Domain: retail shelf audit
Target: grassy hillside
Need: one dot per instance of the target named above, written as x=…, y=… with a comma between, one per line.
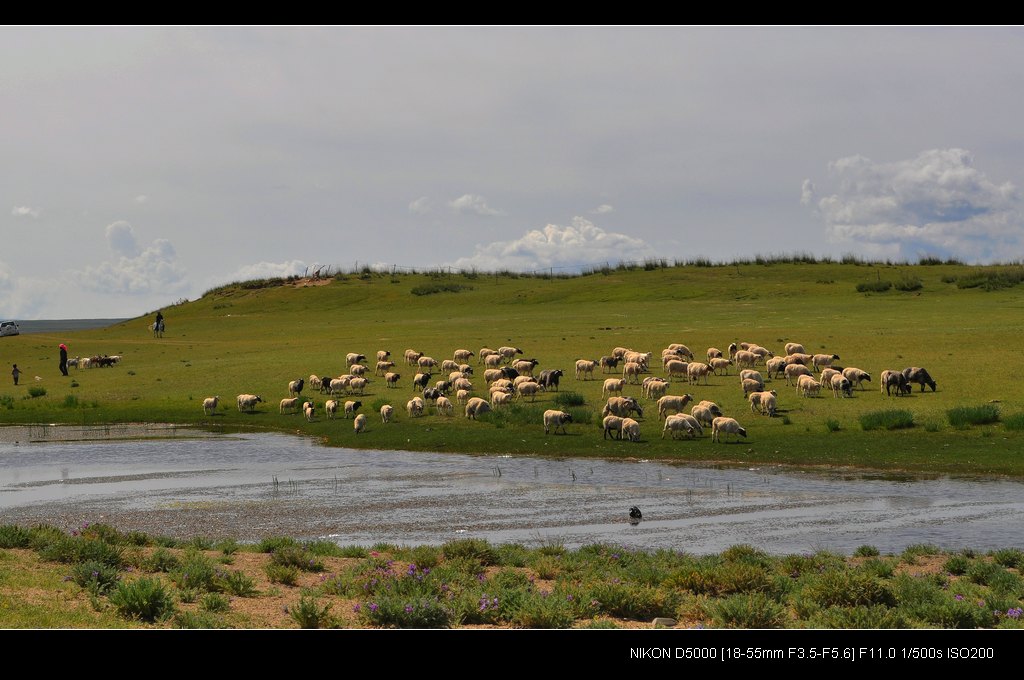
x=255, y=339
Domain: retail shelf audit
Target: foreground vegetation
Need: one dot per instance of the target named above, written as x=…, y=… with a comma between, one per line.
x=959, y=322
x=100, y=577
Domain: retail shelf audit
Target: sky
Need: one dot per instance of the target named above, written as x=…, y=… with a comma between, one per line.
x=140, y=166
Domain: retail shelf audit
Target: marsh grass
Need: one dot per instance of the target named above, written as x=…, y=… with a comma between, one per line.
x=308, y=613
x=963, y=417
x=146, y=599
x=892, y=419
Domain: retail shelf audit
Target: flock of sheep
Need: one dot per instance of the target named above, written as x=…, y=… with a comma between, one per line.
x=511, y=378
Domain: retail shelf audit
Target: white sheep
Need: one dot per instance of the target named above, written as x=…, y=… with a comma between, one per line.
x=682, y=350
x=654, y=388
x=774, y=366
x=383, y=355
x=750, y=386
x=751, y=374
x=357, y=385
x=826, y=375
x=295, y=387
x=484, y=353
x=499, y=398
x=289, y=405
x=338, y=385
x=632, y=370
x=493, y=360
x=621, y=406
x=704, y=413
x=315, y=382
x=425, y=363
x=463, y=384
x=714, y=353
x=761, y=353
x=444, y=406
x=631, y=429
x=765, y=402
x=794, y=348
x=357, y=369
x=840, y=385
x=525, y=366
x=585, y=367
x=210, y=405
x=556, y=419
x=508, y=353
x=353, y=358
x=412, y=356
x=696, y=371
x=795, y=371
x=351, y=407
x=462, y=396
x=745, y=358
x=476, y=406
x=726, y=425
x=529, y=389
x=383, y=367
x=620, y=352
x=492, y=374
x=680, y=423
x=720, y=364
x=247, y=402
x=414, y=407
x=462, y=355
x=386, y=411
x=331, y=408
x=359, y=424
x=807, y=386
x=798, y=358
x=672, y=402
x=856, y=376
x=612, y=385
x=391, y=379
x=820, y=361
x=309, y=411
x=612, y=424
x=448, y=366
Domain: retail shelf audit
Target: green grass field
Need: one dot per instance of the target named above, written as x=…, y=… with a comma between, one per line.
x=240, y=339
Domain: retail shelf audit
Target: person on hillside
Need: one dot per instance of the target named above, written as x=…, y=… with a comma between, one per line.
x=158, y=326
x=63, y=359
x=16, y=373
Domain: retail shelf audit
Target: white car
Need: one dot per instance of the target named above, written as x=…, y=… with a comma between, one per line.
x=9, y=328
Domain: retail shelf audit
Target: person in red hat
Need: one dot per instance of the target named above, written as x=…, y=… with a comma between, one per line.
x=63, y=359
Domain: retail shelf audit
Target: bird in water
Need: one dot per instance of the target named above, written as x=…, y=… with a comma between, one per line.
x=635, y=515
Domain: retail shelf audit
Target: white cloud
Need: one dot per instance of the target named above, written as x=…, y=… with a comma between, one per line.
x=603, y=209
x=576, y=245
x=153, y=269
x=937, y=203
x=807, y=192
x=25, y=211
x=121, y=239
x=141, y=198
x=268, y=270
x=421, y=206
x=473, y=203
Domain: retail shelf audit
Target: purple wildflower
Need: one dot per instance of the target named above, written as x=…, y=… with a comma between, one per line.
x=356, y=607
x=958, y=598
x=1014, y=612
x=408, y=609
x=373, y=607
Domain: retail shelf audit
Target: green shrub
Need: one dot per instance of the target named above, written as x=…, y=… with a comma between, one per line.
x=71, y=550
x=308, y=613
x=199, y=620
x=13, y=536
x=627, y=601
x=296, y=556
x=863, y=617
x=892, y=419
x=1014, y=422
x=866, y=551
x=216, y=603
x=908, y=283
x=982, y=572
x=96, y=577
x=7, y=401
x=1012, y=558
x=877, y=286
x=196, y=571
x=878, y=568
x=543, y=610
x=423, y=556
x=395, y=611
x=847, y=588
x=472, y=548
x=238, y=584
x=957, y=564
x=145, y=598
x=751, y=610
x=832, y=425
x=962, y=417
x=285, y=575
x=353, y=551
x=162, y=560
x=269, y=545
x=513, y=555
x=565, y=400
x=915, y=550
x=228, y=547
x=36, y=391
x=329, y=549
x=433, y=288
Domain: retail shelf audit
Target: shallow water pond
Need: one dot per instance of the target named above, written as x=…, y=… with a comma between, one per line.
x=251, y=486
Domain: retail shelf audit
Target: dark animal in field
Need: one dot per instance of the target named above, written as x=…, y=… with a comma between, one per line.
x=894, y=380
x=421, y=381
x=608, y=364
x=634, y=513
x=549, y=378
x=915, y=374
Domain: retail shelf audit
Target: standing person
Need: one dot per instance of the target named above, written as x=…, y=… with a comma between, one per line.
x=158, y=327
x=16, y=373
x=63, y=359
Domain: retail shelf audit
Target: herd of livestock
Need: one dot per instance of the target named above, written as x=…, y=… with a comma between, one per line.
x=508, y=377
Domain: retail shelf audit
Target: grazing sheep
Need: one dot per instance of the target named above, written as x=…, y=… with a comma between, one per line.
x=447, y=366
x=444, y=406
x=609, y=364
x=463, y=385
x=763, y=401
x=697, y=371
x=761, y=353
x=631, y=429
x=856, y=376
x=492, y=374
x=492, y=360
x=499, y=398
x=839, y=384
x=295, y=387
x=412, y=356
x=357, y=385
x=750, y=386
x=338, y=385
x=745, y=358
x=309, y=411
x=612, y=424
x=620, y=352
x=391, y=379
x=289, y=405
x=714, y=353
x=383, y=367
x=383, y=355
x=819, y=361
x=794, y=371
x=632, y=370
x=386, y=411
x=331, y=408
x=466, y=369
x=431, y=393
x=351, y=407
x=359, y=424
x=681, y=350
x=247, y=402
x=807, y=386
x=612, y=385
x=794, y=348
x=462, y=355
x=673, y=403
x=585, y=367
x=894, y=379
x=528, y=389
x=525, y=366
x=421, y=381
x=357, y=369
x=315, y=382
x=679, y=369
x=654, y=388
x=210, y=405
x=426, y=362
x=414, y=407
x=705, y=413
x=621, y=406
x=353, y=358
x=443, y=387
x=915, y=374
x=556, y=419
x=720, y=364
x=642, y=358
x=726, y=425
x=484, y=353
x=826, y=375
x=774, y=366
x=549, y=378
x=477, y=406
x=798, y=358
x=462, y=396
x=508, y=353
x=732, y=350
x=749, y=373
x=681, y=423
